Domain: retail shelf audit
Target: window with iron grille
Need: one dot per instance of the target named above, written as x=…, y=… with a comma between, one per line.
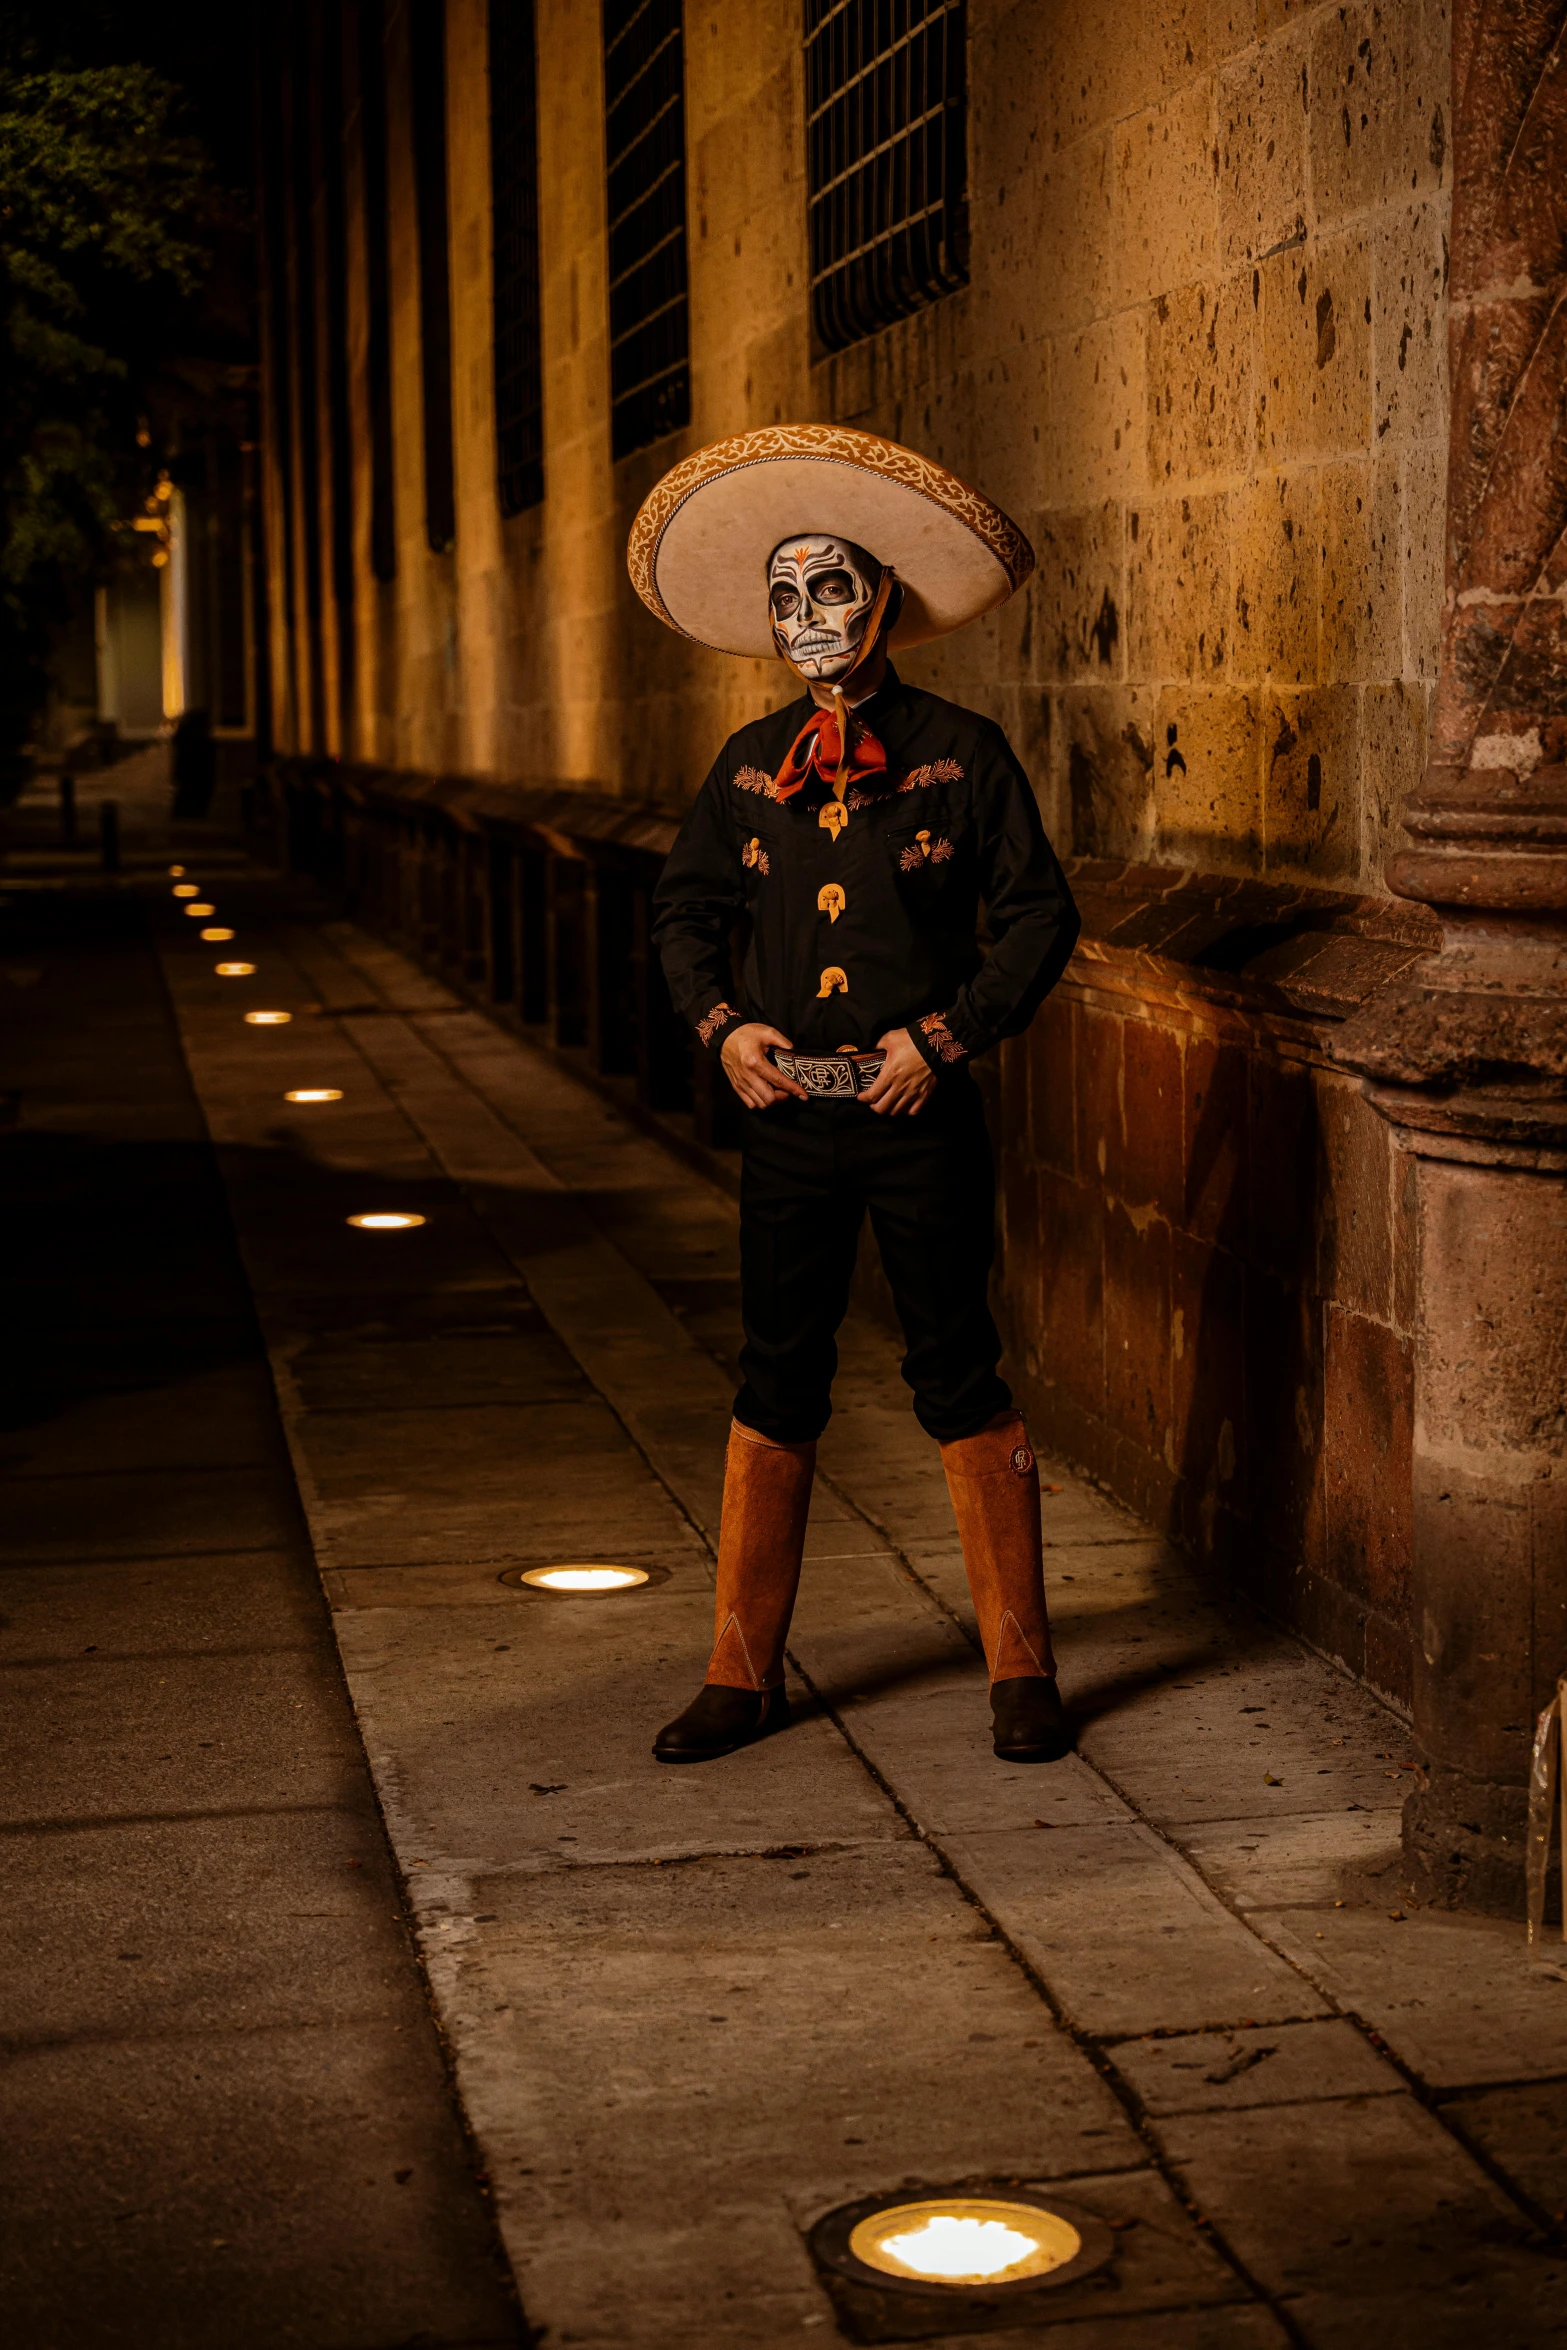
x=886, y=160
x=427, y=45
x=514, y=199
x=303, y=90
x=339, y=421
x=645, y=140
x=378, y=286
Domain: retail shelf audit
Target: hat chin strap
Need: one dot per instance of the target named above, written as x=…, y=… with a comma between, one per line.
x=840, y=707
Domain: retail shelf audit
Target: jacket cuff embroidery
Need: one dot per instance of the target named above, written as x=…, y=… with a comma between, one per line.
x=721, y=1016
x=940, y=1039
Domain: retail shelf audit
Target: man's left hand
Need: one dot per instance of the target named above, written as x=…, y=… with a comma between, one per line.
x=906, y=1078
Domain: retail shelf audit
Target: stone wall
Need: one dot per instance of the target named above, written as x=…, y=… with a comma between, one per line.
x=1202, y=360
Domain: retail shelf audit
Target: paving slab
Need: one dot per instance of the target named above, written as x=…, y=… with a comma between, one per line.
x=470, y=1480
x=225, y=1419
x=243, y=2188
x=1524, y=2132
x=147, y=1607
x=147, y=1513
x=1455, y=1998
x=1371, y=2224
x=770, y=2037
x=1126, y=1934
x=1273, y=2064
x=130, y=1930
x=1295, y=1858
x=107, y=1735
x=530, y=1741
x=1236, y=2327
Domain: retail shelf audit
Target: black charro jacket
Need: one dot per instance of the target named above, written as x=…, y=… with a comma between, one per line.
x=954, y=824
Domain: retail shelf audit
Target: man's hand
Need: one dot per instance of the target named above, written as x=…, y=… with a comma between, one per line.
x=753, y=1076
x=906, y=1077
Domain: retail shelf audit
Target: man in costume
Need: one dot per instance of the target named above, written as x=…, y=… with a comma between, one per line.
x=860, y=828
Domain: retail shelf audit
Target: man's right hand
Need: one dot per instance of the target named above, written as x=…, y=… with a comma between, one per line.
x=753, y=1076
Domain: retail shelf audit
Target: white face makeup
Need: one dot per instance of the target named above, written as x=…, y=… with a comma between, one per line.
x=820, y=591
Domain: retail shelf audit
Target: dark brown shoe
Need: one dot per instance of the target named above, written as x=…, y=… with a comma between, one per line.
x=1029, y=1722
x=719, y=1720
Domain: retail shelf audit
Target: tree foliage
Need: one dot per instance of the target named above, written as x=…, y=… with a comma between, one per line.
x=104, y=206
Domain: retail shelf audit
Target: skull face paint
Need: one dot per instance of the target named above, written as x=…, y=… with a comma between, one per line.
x=820, y=591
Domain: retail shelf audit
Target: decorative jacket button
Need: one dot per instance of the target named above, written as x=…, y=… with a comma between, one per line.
x=830, y=900
x=834, y=982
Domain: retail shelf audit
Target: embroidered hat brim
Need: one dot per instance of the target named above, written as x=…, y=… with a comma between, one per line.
x=699, y=546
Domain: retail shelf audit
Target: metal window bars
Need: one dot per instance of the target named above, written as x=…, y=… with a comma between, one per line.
x=645, y=152
x=378, y=285
x=886, y=157
x=514, y=196
x=427, y=62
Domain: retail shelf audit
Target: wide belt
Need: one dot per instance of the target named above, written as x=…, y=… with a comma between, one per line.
x=839, y=1076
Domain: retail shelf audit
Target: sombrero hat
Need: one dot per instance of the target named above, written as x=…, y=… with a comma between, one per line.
x=699, y=546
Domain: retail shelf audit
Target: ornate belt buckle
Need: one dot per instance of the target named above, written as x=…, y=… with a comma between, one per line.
x=830, y=1076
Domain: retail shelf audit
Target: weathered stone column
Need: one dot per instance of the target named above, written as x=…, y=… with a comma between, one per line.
x=1468, y=1058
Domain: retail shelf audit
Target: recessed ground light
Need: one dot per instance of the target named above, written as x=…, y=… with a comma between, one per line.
x=200, y=913
x=187, y=889
x=968, y=2240
x=235, y=970
x=314, y=1093
x=212, y=936
x=268, y=1019
x=974, y=2253
x=385, y=1221
x=579, y=1578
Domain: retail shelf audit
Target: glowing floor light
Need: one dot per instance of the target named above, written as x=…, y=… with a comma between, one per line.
x=186, y=889
x=582, y=1578
x=268, y=1019
x=200, y=913
x=314, y=1093
x=965, y=2240
x=176, y=870
x=234, y=970
x=212, y=936
x=385, y=1221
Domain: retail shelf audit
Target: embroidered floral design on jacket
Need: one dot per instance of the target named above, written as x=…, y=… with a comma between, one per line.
x=754, y=856
x=934, y=1025
x=921, y=849
x=711, y=1022
x=935, y=771
x=754, y=779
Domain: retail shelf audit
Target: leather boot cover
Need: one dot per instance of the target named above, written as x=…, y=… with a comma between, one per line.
x=994, y=1483
x=767, y=1494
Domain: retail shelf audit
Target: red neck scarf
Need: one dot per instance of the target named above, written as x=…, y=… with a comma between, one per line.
x=818, y=750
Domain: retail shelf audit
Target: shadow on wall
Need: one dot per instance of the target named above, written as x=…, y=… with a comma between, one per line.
x=1199, y=1279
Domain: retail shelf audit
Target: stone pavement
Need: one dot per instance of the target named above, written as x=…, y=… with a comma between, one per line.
x=690, y=2011
x=225, y=2113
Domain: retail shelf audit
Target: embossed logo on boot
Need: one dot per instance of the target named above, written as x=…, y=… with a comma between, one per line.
x=1022, y=1460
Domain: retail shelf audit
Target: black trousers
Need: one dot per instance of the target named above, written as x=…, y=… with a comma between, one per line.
x=810, y=1172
